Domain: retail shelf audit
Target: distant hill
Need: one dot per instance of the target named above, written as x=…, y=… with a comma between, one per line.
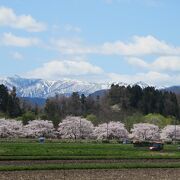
x=34, y=101
x=174, y=89
x=99, y=93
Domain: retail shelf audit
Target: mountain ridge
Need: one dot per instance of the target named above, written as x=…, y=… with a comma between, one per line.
x=39, y=88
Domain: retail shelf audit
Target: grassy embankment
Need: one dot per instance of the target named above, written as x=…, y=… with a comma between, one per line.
x=29, y=150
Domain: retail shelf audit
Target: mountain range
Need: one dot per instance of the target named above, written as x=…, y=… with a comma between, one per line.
x=39, y=88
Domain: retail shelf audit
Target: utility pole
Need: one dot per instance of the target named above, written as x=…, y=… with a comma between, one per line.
x=80, y=128
x=175, y=131
x=107, y=131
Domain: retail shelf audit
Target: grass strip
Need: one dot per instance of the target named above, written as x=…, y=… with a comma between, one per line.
x=88, y=166
x=2, y=158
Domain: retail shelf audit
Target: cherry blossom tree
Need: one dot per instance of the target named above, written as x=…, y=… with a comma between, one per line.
x=75, y=128
x=37, y=128
x=170, y=133
x=11, y=128
x=145, y=132
x=111, y=130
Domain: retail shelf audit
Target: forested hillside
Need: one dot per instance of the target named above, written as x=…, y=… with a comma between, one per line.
x=126, y=104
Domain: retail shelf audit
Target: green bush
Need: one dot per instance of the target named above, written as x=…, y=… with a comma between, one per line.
x=43, y=117
x=159, y=120
x=92, y=118
x=105, y=141
x=2, y=115
x=28, y=116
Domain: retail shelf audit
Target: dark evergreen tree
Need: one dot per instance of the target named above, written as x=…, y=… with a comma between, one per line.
x=83, y=105
x=74, y=105
x=51, y=110
x=13, y=107
x=3, y=98
x=135, y=96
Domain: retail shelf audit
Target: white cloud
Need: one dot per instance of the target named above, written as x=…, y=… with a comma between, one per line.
x=26, y=22
x=71, y=46
x=57, y=69
x=8, y=39
x=17, y=56
x=66, y=28
x=162, y=63
x=83, y=70
x=139, y=46
x=69, y=27
x=137, y=62
x=167, y=63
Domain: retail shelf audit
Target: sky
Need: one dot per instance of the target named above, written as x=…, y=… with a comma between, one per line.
x=91, y=40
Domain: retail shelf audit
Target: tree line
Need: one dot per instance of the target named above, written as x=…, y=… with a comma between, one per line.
x=147, y=100
x=119, y=103
x=75, y=127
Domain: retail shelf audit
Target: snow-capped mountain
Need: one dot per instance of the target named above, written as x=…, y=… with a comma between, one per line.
x=39, y=88
x=46, y=88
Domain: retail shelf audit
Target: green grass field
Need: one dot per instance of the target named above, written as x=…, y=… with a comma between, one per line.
x=34, y=150
x=29, y=150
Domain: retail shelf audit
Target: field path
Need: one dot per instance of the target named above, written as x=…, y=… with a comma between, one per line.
x=122, y=174
x=32, y=162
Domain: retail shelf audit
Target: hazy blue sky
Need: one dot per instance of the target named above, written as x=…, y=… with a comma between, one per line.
x=94, y=40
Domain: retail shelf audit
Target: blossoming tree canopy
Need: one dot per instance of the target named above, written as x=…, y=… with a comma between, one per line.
x=170, y=133
x=75, y=127
x=11, y=128
x=145, y=132
x=111, y=130
x=37, y=128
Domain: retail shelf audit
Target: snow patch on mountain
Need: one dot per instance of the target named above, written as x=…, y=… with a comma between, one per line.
x=47, y=88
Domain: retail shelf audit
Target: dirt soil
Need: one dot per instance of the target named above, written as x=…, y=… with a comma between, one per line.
x=123, y=174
